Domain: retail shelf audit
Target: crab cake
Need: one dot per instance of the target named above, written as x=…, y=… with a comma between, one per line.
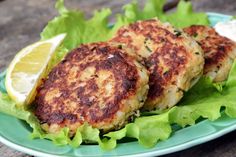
x=220, y=51
x=98, y=84
x=175, y=61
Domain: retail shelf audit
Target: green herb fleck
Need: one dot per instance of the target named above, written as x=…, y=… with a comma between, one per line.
x=148, y=48
x=119, y=46
x=166, y=72
x=177, y=33
x=195, y=35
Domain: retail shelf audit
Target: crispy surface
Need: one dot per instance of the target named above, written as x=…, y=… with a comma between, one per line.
x=219, y=51
x=95, y=83
x=174, y=60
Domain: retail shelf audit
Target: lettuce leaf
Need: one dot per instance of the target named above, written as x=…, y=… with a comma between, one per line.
x=204, y=100
x=182, y=17
x=80, y=30
x=143, y=129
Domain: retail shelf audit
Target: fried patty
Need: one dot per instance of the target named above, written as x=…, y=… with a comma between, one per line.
x=220, y=51
x=98, y=84
x=174, y=60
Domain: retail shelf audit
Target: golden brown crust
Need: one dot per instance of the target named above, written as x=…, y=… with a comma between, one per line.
x=218, y=50
x=90, y=85
x=163, y=51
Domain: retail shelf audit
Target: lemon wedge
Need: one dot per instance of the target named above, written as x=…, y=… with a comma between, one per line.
x=27, y=69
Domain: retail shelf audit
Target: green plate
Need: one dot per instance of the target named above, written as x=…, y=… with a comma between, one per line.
x=15, y=133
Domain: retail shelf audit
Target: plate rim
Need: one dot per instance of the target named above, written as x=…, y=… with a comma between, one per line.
x=164, y=151
x=176, y=148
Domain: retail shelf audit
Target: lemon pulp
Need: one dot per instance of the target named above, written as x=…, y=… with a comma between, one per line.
x=28, y=68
